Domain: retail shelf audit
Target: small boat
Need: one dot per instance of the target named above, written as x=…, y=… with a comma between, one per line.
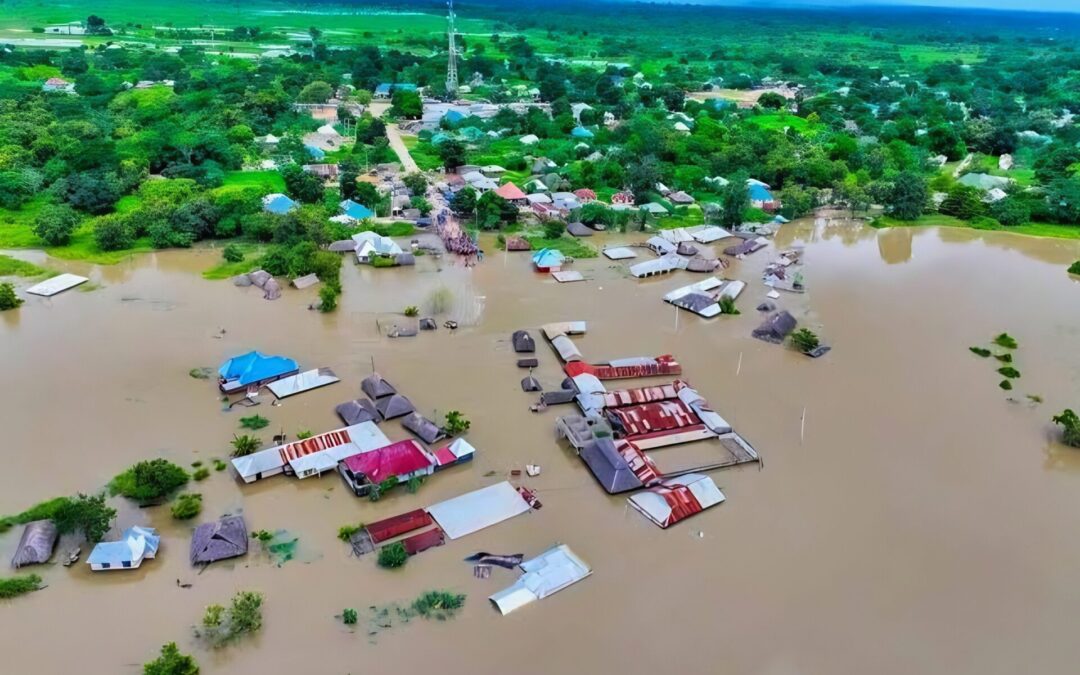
x=73, y=557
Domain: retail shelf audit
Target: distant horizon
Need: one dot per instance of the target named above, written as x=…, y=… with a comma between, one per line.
x=1038, y=6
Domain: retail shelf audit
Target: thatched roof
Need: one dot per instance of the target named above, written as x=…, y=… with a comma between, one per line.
x=425, y=429
x=376, y=387
x=36, y=544
x=225, y=538
x=523, y=342
x=357, y=411
x=394, y=406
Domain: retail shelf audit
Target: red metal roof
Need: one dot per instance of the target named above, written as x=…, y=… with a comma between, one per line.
x=418, y=543
x=640, y=463
x=585, y=193
x=330, y=439
x=664, y=365
x=444, y=456
x=647, y=418
x=510, y=192
x=389, y=528
x=625, y=397
x=396, y=459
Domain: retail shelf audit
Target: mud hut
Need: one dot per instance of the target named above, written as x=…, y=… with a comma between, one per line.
x=394, y=406
x=36, y=544
x=423, y=428
x=376, y=387
x=219, y=540
x=776, y=327
x=523, y=342
x=358, y=411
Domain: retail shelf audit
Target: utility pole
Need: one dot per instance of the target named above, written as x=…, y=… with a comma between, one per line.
x=451, y=65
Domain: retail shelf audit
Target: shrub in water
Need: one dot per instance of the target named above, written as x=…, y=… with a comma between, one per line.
x=979, y=351
x=232, y=253
x=8, y=299
x=1005, y=384
x=1070, y=423
x=393, y=555
x=349, y=617
x=805, y=340
x=201, y=474
x=254, y=422
x=187, y=506
x=345, y=532
x=149, y=480
x=244, y=445
x=171, y=662
x=1009, y=372
x=15, y=586
x=1005, y=340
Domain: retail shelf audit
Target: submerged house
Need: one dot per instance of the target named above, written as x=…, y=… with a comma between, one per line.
x=546, y=574
x=618, y=465
x=775, y=328
x=357, y=411
x=523, y=342
x=220, y=540
x=310, y=456
x=370, y=245
x=402, y=460
x=760, y=196
x=36, y=544
x=253, y=369
x=548, y=260
x=394, y=406
x=676, y=499
x=458, y=452
x=376, y=387
x=136, y=544
x=423, y=428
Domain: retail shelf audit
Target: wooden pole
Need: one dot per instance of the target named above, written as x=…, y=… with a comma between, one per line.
x=802, y=426
x=738, y=368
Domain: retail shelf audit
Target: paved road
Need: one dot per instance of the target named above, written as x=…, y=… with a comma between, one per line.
x=393, y=134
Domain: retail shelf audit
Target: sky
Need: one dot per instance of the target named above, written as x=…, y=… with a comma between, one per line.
x=1029, y=5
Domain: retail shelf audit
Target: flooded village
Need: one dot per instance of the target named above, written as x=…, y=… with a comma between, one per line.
x=577, y=339
x=898, y=491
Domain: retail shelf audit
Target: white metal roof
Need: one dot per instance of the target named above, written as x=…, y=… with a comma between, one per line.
x=57, y=284
x=478, y=509
x=619, y=253
x=652, y=504
x=301, y=382
x=546, y=574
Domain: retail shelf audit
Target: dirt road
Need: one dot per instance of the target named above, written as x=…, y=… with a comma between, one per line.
x=398, y=146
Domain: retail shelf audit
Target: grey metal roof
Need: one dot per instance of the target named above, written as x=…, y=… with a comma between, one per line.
x=608, y=466
x=425, y=429
x=523, y=342
x=357, y=411
x=394, y=406
x=376, y=387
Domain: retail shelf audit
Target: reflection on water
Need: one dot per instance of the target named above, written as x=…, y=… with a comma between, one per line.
x=915, y=499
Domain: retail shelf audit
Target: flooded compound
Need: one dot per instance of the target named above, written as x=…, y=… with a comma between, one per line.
x=907, y=517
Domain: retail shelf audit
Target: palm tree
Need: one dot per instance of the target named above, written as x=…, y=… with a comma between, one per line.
x=244, y=445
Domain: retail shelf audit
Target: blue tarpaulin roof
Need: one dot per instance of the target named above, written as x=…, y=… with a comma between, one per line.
x=278, y=203
x=316, y=153
x=760, y=193
x=547, y=257
x=581, y=132
x=453, y=116
x=355, y=210
x=254, y=367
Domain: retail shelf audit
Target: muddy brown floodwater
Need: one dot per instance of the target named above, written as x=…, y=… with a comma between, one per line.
x=922, y=524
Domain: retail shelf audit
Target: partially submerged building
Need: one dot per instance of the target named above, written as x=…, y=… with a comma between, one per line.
x=136, y=544
x=310, y=456
x=221, y=539
x=775, y=328
x=253, y=369
x=676, y=499
x=403, y=460
x=546, y=574
x=36, y=544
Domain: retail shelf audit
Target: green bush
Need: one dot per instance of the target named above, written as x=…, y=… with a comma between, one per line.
x=149, y=480
x=727, y=306
x=328, y=297
x=348, y=616
x=1005, y=340
x=244, y=445
x=1009, y=372
x=171, y=662
x=8, y=299
x=1005, y=384
x=232, y=253
x=456, y=423
x=346, y=532
x=382, y=261
x=412, y=310
x=243, y=617
x=980, y=351
x=86, y=514
x=1070, y=423
x=438, y=604
x=201, y=474
x=393, y=555
x=1075, y=268
x=254, y=422
x=220, y=465
x=187, y=506
x=805, y=340
x=16, y=586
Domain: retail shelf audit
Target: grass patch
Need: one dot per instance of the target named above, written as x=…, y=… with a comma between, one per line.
x=271, y=181
x=780, y=121
x=398, y=228
x=13, y=267
x=16, y=586
x=940, y=220
x=228, y=270
x=565, y=245
x=42, y=511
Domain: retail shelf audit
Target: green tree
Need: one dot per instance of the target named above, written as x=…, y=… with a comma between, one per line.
x=908, y=196
x=456, y=423
x=315, y=92
x=420, y=204
x=393, y=555
x=463, y=202
x=406, y=104
x=232, y=253
x=805, y=340
x=171, y=662
x=1011, y=211
x=149, y=480
x=8, y=299
x=553, y=229
x=452, y=153
x=86, y=514
x=244, y=445
x=303, y=186
x=416, y=182
x=328, y=298
x=734, y=200
x=1070, y=423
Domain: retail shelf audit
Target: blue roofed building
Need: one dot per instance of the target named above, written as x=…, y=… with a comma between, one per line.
x=548, y=260
x=315, y=152
x=760, y=196
x=581, y=132
x=278, y=203
x=383, y=90
x=355, y=210
x=254, y=369
x=453, y=116
x=136, y=544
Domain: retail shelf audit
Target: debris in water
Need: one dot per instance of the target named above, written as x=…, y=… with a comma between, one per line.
x=533, y=470
x=482, y=571
x=201, y=373
x=508, y=561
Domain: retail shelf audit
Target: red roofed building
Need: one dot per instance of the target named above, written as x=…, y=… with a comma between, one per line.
x=511, y=193
x=623, y=198
x=585, y=195
x=402, y=460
